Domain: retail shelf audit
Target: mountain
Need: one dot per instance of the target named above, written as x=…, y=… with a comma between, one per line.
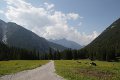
x=107, y=44
x=15, y=35
x=110, y=36
x=2, y=29
x=67, y=43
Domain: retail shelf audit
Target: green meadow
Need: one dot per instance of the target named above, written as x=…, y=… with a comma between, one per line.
x=13, y=66
x=68, y=69
x=83, y=70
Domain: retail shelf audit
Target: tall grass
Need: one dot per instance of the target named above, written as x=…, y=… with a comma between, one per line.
x=82, y=70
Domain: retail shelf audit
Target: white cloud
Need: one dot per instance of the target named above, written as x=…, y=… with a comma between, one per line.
x=46, y=22
x=1, y=11
x=49, y=6
x=73, y=16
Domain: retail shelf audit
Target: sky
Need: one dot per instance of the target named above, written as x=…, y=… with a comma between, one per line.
x=76, y=20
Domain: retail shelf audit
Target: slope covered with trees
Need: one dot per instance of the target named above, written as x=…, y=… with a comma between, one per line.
x=13, y=53
x=107, y=45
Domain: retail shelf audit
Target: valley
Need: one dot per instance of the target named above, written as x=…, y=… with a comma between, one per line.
x=96, y=61
x=59, y=40
x=99, y=60
x=67, y=69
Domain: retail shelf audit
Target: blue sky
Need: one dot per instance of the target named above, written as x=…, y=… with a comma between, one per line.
x=97, y=14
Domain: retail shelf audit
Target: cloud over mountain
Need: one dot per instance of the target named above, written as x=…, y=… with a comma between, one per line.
x=46, y=21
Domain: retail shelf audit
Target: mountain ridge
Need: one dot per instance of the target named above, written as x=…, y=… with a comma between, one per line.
x=67, y=43
x=107, y=45
x=19, y=36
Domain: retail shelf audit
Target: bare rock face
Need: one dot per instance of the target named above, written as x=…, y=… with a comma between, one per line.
x=3, y=32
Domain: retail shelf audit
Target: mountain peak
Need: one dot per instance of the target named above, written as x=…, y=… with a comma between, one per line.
x=1, y=21
x=67, y=43
x=15, y=35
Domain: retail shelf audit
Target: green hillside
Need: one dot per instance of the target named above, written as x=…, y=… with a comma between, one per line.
x=107, y=45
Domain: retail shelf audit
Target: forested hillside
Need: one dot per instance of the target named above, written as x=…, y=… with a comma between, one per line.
x=107, y=45
x=12, y=53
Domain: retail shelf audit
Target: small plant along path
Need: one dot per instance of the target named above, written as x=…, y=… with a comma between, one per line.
x=45, y=72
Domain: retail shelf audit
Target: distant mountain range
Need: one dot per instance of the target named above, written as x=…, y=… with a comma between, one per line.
x=15, y=35
x=67, y=43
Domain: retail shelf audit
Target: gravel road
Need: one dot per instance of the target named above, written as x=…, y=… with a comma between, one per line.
x=45, y=72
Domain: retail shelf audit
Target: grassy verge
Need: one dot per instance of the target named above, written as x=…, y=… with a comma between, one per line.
x=8, y=67
x=82, y=70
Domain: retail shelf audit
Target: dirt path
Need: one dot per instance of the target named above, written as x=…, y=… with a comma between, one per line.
x=45, y=72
